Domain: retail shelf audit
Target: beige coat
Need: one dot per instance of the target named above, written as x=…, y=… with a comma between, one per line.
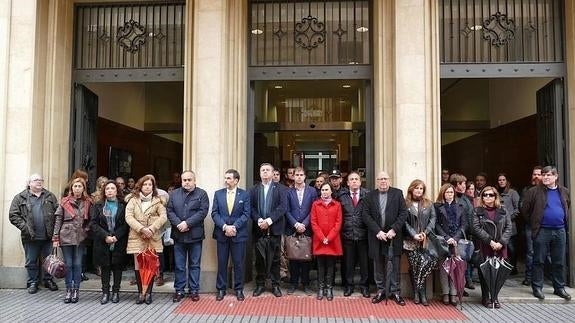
x=153, y=217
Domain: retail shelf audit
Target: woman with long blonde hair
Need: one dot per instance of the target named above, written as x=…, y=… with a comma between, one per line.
x=70, y=230
x=420, y=222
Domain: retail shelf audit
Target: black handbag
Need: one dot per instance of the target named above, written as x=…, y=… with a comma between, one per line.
x=298, y=247
x=465, y=247
x=436, y=246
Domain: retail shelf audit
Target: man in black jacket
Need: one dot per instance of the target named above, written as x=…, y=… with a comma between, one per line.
x=269, y=205
x=32, y=212
x=354, y=234
x=548, y=206
x=384, y=214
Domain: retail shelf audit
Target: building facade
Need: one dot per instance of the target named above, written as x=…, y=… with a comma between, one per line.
x=209, y=85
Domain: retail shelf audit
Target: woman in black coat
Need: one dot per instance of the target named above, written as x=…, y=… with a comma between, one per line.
x=492, y=227
x=451, y=220
x=110, y=234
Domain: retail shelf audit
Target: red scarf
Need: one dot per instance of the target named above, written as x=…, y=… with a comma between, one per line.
x=67, y=205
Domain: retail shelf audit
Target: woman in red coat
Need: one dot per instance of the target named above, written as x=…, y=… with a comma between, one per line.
x=326, y=219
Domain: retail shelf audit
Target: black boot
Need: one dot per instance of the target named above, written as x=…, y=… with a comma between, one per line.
x=68, y=297
x=329, y=295
x=105, y=297
x=320, y=291
x=75, y=295
x=115, y=297
x=423, y=296
x=140, y=298
x=416, y=297
x=148, y=298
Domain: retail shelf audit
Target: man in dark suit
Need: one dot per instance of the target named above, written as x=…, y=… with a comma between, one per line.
x=268, y=201
x=299, y=201
x=231, y=212
x=384, y=215
x=187, y=208
x=354, y=234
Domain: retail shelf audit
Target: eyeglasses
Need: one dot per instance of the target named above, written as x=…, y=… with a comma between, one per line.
x=489, y=195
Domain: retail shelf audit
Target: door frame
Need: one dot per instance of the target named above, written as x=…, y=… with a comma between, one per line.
x=305, y=73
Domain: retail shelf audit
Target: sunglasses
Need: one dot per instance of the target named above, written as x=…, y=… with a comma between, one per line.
x=489, y=195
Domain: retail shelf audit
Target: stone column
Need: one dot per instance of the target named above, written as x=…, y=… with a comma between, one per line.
x=35, y=76
x=17, y=49
x=570, y=115
x=417, y=127
x=215, y=109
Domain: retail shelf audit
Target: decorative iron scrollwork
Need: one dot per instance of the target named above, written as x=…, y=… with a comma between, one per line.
x=309, y=33
x=131, y=36
x=340, y=31
x=499, y=30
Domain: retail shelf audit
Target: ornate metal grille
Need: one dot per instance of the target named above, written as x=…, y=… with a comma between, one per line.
x=309, y=32
x=499, y=31
x=138, y=35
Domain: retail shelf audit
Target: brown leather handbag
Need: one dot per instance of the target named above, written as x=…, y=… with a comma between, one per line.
x=298, y=247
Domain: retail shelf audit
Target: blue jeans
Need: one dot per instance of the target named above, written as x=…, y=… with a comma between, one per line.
x=187, y=256
x=33, y=250
x=73, y=259
x=529, y=256
x=551, y=241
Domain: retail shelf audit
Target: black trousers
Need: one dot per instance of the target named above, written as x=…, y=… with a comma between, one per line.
x=299, y=269
x=261, y=270
x=355, y=251
x=107, y=271
x=325, y=270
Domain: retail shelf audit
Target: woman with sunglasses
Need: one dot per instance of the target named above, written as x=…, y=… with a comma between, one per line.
x=492, y=228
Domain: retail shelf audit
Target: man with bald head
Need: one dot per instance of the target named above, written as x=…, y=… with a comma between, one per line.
x=384, y=214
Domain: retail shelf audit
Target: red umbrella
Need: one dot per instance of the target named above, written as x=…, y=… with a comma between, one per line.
x=149, y=263
x=455, y=268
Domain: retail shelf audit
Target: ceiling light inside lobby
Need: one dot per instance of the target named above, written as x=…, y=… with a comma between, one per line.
x=476, y=27
x=257, y=31
x=278, y=87
x=362, y=29
x=346, y=86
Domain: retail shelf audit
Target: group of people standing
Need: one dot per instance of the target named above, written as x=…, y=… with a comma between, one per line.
x=341, y=221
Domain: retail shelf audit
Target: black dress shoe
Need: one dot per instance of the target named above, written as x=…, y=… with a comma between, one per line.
x=240, y=295
x=51, y=285
x=398, y=299
x=105, y=298
x=195, y=296
x=221, y=294
x=348, y=291
x=563, y=294
x=496, y=304
x=84, y=277
x=277, y=291
x=33, y=288
x=538, y=293
x=177, y=297
x=378, y=298
x=526, y=282
x=365, y=292
x=115, y=297
x=291, y=289
x=258, y=291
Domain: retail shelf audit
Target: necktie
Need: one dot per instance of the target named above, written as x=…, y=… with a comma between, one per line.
x=230, y=201
x=354, y=199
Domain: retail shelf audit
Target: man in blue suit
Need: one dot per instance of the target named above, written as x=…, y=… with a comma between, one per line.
x=299, y=200
x=187, y=208
x=231, y=212
x=268, y=201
